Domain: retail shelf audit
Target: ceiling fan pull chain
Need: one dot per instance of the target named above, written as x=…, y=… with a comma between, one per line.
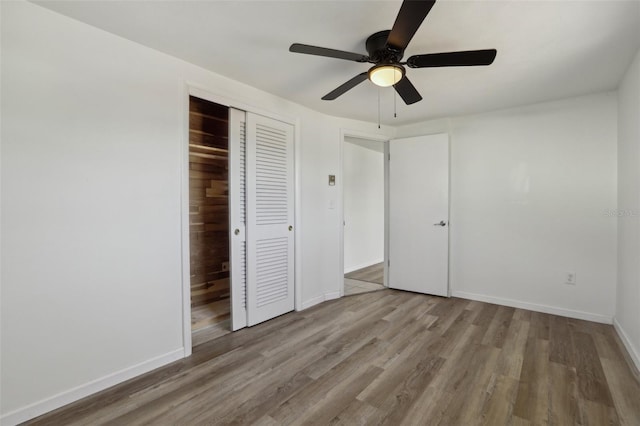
x=378, y=107
x=394, y=102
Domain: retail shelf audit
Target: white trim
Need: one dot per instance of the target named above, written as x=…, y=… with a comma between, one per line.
x=340, y=278
x=297, y=215
x=570, y=313
x=363, y=265
x=74, y=394
x=633, y=352
x=387, y=205
x=184, y=229
x=380, y=137
x=319, y=299
x=332, y=295
x=340, y=185
x=312, y=302
x=449, y=239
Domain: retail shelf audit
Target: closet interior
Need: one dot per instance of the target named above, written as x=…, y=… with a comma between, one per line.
x=209, y=219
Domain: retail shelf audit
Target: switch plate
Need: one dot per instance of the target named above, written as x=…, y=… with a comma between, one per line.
x=570, y=278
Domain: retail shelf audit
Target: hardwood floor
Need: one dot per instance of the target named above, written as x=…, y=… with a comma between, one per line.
x=356, y=287
x=214, y=331
x=372, y=274
x=386, y=357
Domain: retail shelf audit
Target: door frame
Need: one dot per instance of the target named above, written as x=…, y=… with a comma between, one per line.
x=378, y=138
x=194, y=89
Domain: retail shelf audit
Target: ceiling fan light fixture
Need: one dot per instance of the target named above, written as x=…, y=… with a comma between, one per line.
x=386, y=75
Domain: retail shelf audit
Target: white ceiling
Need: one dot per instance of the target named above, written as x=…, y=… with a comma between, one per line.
x=546, y=49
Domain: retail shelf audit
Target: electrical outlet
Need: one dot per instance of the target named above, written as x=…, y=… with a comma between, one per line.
x=570, y=278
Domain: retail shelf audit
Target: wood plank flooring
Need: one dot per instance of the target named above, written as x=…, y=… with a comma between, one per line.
x=372, y=274
x=386, y=357
x=356, y=287
x=214, y=331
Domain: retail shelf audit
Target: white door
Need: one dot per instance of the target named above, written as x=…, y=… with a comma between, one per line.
x=270, y=203
x=419, y=214
x=237, y=217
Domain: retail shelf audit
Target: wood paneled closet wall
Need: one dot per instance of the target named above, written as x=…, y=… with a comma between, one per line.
x=209, y=214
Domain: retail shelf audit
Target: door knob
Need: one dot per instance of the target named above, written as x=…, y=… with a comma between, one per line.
x=441, y=223
x=290, y=228
x=237, y=231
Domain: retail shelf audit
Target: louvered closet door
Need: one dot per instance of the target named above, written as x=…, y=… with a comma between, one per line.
x=237, y=217
x=269, y=218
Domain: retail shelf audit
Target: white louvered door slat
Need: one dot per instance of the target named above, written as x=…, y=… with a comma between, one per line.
x=269, y=218
x=237, y=217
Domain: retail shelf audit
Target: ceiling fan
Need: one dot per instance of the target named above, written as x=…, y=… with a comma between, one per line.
x=386, y=49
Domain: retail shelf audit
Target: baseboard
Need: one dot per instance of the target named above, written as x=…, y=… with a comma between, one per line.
x=319, y=299
x=587, y=316
x=67, y=397
x=362, y=266
x=312, y=302
x=633, y=352
x=332, y=295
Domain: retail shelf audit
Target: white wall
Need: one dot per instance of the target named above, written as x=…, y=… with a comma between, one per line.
x=628, y=295
x=363, y=176
x=529, y=191
x=93, y=129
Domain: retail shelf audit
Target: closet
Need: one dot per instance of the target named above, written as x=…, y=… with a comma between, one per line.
x=209, y=216
x=241, y=208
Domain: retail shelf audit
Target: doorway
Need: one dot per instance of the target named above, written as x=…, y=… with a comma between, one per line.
x=364, y=169
x=209, y=219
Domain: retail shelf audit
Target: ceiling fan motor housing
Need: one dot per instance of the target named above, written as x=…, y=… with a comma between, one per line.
x=378, y=50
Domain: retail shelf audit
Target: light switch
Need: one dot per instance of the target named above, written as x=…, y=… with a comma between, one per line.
x=332, y=180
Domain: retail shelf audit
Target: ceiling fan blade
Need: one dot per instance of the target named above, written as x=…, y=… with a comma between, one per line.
x=346, y=87
x=407, y=91
x=409, y=19
x=329, y=53
x=453, y=59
